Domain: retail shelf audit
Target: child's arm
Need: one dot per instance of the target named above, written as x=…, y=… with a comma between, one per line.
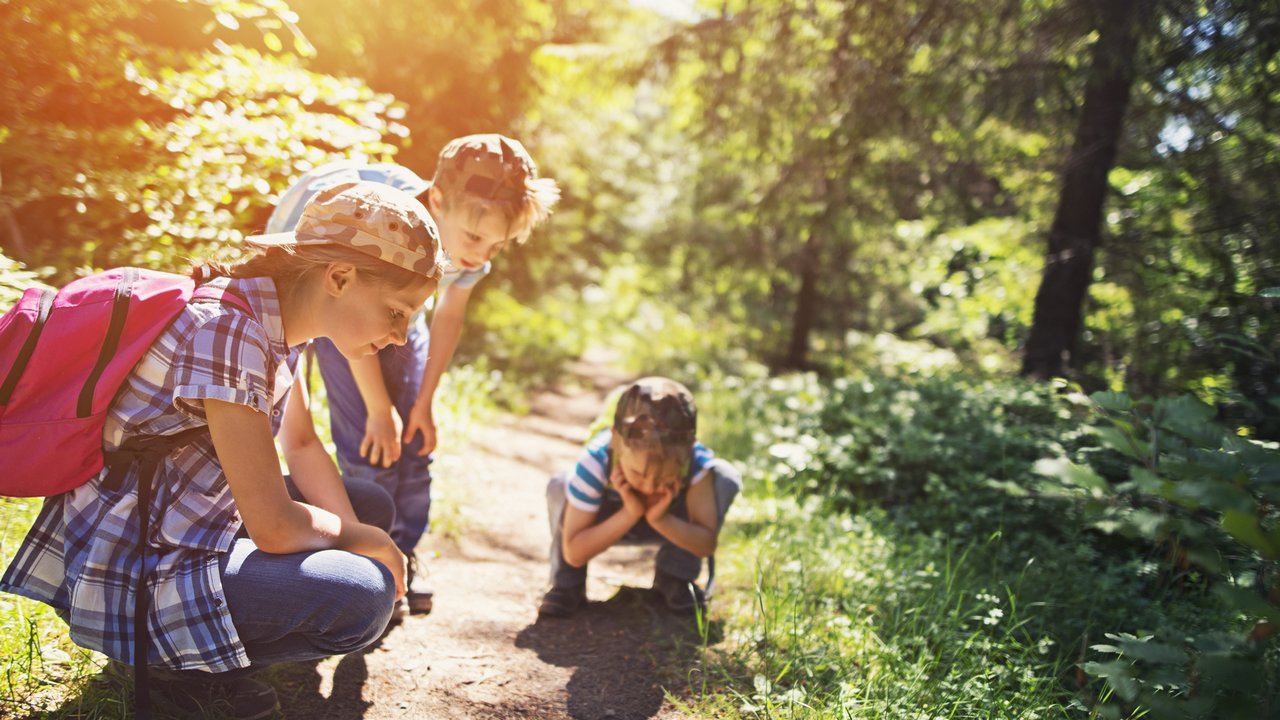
x=699, y=533
x=583, y=540
x=446, y=328
x=381, y=441
x=310, y=465
x=274, y=521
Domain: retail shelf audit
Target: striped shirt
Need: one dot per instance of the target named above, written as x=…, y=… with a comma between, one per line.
x=80, y=556
x=589, y=483
x=285, y=217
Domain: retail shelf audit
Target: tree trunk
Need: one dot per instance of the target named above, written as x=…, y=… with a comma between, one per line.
x=1077, y=223
x=802, y=321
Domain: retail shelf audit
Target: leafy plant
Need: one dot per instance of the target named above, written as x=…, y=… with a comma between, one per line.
x=1209, y=501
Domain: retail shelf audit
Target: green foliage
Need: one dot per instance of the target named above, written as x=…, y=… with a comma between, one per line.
x=891, y=440
x=527, y=344
x=38, y=661
x=838, y=616
x=140, y=152
x=1206, y=499
x=14, y=280
x=910, y=609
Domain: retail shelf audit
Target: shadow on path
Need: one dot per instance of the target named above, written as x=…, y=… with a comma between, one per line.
x=298, y=686
x=627, y=653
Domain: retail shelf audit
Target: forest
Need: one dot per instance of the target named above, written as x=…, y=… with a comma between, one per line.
x=983, y=298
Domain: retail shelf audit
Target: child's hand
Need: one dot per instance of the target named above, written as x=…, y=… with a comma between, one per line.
x=381, y=442
x=657, y=504
x=420, y=420
x=633, y=502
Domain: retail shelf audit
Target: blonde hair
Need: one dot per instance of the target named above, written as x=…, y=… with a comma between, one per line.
x=533, y=208
x=288, y=267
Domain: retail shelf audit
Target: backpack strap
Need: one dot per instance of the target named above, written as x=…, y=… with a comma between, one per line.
x=28, y=347
x=223, y=295
x=147, y=452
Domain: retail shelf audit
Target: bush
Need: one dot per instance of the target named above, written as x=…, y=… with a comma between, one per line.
x=1207, y=502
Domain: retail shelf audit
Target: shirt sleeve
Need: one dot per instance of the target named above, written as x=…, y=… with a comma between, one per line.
x=227, y=358
x=702, y=457
x=469, y=278
x=586, y=487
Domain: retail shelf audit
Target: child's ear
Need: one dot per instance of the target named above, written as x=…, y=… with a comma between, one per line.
x=435, y=201
x=338, y=276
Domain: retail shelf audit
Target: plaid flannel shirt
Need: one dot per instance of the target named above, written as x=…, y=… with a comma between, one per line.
x=81, y=555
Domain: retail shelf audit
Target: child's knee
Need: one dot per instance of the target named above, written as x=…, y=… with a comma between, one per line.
x=556, y=489
x=363, y=608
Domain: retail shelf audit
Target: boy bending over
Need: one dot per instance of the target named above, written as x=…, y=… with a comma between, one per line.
x=645, y=479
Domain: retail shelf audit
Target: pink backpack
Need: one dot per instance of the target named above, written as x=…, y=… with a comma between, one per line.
x=63, y=357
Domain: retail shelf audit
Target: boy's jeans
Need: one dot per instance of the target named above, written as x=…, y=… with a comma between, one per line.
x=671, y=559
x=408, y=480
x=310, y=605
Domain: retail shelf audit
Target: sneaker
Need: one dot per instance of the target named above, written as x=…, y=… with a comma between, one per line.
x=562, y=601
x=420, y=594
x=237, y=698
x=680, y=596
x=398, y=613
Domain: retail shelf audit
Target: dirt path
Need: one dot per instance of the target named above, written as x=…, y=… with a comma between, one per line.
x=482, y=652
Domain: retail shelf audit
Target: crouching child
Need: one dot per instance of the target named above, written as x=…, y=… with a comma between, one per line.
x=645, y=479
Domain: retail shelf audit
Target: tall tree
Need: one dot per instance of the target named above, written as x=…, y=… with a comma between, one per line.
x=1077, y=224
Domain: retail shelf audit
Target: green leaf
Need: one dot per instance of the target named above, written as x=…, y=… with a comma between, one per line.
x=1148, y=650
x=1148, y=523
x=1189, y=417
x=1124, y=444
x=1117, y=672
x=1149, y=483
x=1245, y=527
x=1207, y=559
x=1214, y=495
x=1081, y=476
x=1272, y=292
x=1117, y=402
x=1248, y=602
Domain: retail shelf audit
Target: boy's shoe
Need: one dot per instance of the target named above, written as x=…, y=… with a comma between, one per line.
x=680, y=596
x=237, y=698
x=398, y=613
x=562, y=601
x=420, y=595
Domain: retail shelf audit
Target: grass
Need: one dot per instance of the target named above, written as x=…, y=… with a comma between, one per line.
x=43, y=673
x=830, y=616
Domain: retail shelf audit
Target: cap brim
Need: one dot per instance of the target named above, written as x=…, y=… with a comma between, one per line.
x=273, y=239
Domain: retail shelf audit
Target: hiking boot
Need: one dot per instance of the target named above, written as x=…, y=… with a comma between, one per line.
x=420, y=595
x=239, y=697
x=562, y=601
x=680, y=596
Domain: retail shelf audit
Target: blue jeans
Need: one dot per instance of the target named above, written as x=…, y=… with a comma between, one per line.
x=337, y=601
x=408, y=480
x=671, y=558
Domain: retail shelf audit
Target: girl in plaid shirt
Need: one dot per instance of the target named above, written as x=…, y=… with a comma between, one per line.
x=231, y=537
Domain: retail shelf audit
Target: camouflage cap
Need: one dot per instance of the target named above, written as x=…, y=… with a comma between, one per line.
x=667, y=403
x=489, y=166
x=371, y=217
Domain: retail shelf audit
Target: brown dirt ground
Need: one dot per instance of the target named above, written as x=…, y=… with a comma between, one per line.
x=483, y=652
